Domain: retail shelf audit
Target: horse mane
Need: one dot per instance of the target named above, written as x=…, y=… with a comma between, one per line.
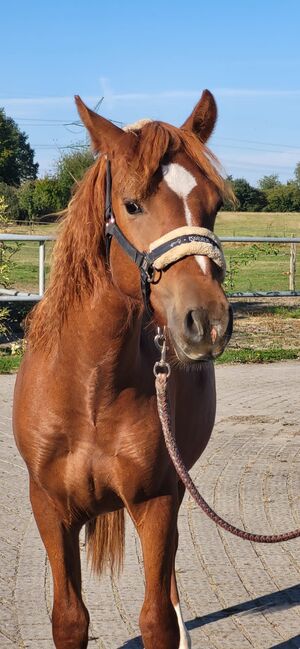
x=78, y=260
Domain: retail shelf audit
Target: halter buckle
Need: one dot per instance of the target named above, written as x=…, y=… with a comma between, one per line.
x=109, y=217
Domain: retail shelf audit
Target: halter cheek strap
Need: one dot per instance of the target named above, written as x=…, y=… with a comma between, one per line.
x=167, y=250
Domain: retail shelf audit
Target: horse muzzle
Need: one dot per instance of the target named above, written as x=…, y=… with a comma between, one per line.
x=200, y=337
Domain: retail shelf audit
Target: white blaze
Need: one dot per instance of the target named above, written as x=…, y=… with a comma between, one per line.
x=203, y=262
x=185, y=638
x=182, y=181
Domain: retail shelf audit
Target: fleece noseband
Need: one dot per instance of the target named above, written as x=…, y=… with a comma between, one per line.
x=167, y=250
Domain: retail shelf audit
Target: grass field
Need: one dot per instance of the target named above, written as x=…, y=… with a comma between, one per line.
x=278, y=224
x=263, y=224
x=259, y=267
x=263, y=267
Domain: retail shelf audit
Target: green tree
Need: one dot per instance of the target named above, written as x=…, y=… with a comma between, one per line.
x=10, y=196
x=229, y=203
x=4, y=314
x=46, y=196
x=284, y=198
x=26, y=204
x=16, y=155
x=39, y=198
x=249, y=198
x=70, y=169
x=7, y=251
x=297, y=174
x=268, y=182
x=3, y=212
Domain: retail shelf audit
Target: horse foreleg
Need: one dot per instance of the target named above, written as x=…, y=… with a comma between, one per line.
x=156, y=525
x=70, y=618
x=185, y=638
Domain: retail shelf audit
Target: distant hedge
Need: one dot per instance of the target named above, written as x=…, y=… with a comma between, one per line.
x=43, y=198
x=270, y=196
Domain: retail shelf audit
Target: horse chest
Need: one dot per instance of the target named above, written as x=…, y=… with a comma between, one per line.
x=194, y=397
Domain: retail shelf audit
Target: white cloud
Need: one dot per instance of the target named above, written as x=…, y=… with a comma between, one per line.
x=109, y=96
x=255, y=92
x=35, y=101
x=277, y=160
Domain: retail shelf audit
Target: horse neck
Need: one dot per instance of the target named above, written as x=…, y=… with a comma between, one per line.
x=107, y=330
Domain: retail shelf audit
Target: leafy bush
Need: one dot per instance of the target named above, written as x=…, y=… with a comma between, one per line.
x=283, y=198
x=70, y=169
x=268, y=182
x=46, y=196
x=249, y=198
x=4, y=313
x=10, y=195
x=7, y=252
x=25, y=197
x=39, y=198
x=3, y=212
x=297, y=174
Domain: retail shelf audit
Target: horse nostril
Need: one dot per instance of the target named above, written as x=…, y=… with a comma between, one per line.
x=193, y=325
x=213, y=334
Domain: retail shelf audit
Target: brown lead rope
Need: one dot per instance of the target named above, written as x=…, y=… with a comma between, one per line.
x=165, y=419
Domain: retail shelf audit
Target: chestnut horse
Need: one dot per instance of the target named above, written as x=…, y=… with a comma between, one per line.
x=85, y=414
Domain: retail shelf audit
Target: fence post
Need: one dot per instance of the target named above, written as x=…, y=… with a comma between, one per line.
x=292, y=273
x=41, y=268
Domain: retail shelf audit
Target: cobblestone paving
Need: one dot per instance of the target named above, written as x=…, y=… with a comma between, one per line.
x=235, y=595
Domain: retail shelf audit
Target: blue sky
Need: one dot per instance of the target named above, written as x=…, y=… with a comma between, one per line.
x=153, y=59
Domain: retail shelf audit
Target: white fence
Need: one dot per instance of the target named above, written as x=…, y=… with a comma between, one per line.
x=13, y=295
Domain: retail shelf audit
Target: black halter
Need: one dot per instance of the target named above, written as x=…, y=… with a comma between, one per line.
x=145, y=261
x=141, y=259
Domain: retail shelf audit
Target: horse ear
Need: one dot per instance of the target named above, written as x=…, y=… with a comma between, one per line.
x=106, y=137
x=203, y=118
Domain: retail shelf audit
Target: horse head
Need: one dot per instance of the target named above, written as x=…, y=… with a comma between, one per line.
x=165, y=180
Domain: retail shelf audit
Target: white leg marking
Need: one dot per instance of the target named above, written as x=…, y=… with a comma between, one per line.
x=185, y=638
x=181, y=181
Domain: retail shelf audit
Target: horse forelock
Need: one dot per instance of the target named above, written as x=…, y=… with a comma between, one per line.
x=78, y=265
x=156, y=141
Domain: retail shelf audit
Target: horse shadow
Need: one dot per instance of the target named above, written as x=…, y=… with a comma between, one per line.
x=279, y=600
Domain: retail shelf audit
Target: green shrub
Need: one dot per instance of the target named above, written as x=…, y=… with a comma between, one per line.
x=249, y=199
x=39, y=198
x=283, y=198
x=10, y=195
x=4, y=313
x=25, y=196
x=70, y=169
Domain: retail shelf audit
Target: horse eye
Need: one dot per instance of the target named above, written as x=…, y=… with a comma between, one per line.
x=133, y=208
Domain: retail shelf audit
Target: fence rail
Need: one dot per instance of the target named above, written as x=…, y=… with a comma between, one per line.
x=13, y=295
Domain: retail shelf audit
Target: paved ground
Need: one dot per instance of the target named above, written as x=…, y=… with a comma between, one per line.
x=235, y=595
